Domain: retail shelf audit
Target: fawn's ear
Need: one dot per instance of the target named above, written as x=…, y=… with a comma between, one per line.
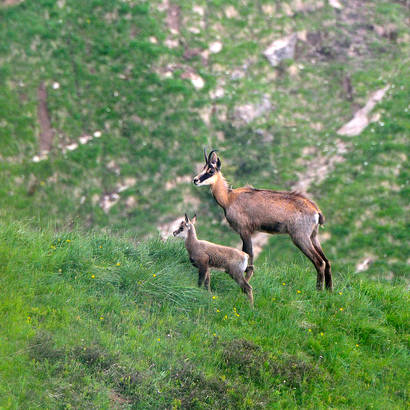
x=186, y=218
x=193, y=220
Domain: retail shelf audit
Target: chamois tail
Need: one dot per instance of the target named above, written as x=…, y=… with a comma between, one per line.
x=321, y=218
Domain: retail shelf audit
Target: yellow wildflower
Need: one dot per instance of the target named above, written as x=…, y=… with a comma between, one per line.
x=159, y=339
x=341, y=309
x=298, y=291
x=68, y=240
x=321, y=333
x=92, y=276
x=309, y=330
x=284, y=283
x=118, y=263
x=214, y=297
x=101, y=318
x=217, y=310
x=154, y=275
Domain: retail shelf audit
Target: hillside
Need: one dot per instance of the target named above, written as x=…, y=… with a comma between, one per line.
x=107, y=105
x=105, y=108
x=92, y=321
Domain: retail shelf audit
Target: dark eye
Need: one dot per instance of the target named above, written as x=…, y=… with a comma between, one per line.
x=211, y=171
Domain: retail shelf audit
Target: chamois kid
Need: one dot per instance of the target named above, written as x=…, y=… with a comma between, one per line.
x=249, y=210
x=204, y=255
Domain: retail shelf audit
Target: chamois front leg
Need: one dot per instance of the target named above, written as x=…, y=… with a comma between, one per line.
x=237, y=275
x=247, y=247
x=203, y=275
x=208, y=280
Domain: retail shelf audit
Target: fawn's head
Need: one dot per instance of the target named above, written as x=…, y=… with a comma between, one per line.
x=185, y=226
x=211, y=168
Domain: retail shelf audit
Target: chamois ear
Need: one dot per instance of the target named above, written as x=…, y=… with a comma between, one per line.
x=213, y=159
x=218, y=164
x=193, y=219
x=186, y=218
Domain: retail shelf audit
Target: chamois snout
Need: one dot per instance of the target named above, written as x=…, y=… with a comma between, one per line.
x=196, y=181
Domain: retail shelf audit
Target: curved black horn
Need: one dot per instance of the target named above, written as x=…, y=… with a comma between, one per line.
x=206, y=157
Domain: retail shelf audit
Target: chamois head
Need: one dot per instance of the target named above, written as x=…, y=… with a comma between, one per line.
x=208, y=174
x=185, y=226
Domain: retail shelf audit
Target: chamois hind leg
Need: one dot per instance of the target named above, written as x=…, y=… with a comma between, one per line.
x=319, y=250
x=237, y=276
x=247, y=247
x=306, y=246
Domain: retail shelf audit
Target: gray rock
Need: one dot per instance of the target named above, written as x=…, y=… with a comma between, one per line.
x=281, y=49
x=248, y=112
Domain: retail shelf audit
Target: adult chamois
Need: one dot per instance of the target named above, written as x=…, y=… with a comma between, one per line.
x=204, y=255
x=249, y=210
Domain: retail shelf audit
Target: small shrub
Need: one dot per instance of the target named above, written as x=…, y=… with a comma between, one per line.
x=41, y=347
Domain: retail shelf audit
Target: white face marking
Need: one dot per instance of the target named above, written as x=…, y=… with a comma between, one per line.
x=208, y=181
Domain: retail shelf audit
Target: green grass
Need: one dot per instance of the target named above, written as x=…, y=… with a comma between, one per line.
x=85, y=323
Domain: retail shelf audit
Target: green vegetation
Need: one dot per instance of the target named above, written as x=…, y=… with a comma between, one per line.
x=92, y=321
x=113, y=318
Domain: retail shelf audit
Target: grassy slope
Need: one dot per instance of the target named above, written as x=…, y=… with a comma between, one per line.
x=89, y=320
x=54, y=346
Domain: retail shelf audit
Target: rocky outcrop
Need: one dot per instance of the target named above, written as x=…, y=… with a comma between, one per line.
x=249, y=112
x=362, y=119
x=281, y=49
